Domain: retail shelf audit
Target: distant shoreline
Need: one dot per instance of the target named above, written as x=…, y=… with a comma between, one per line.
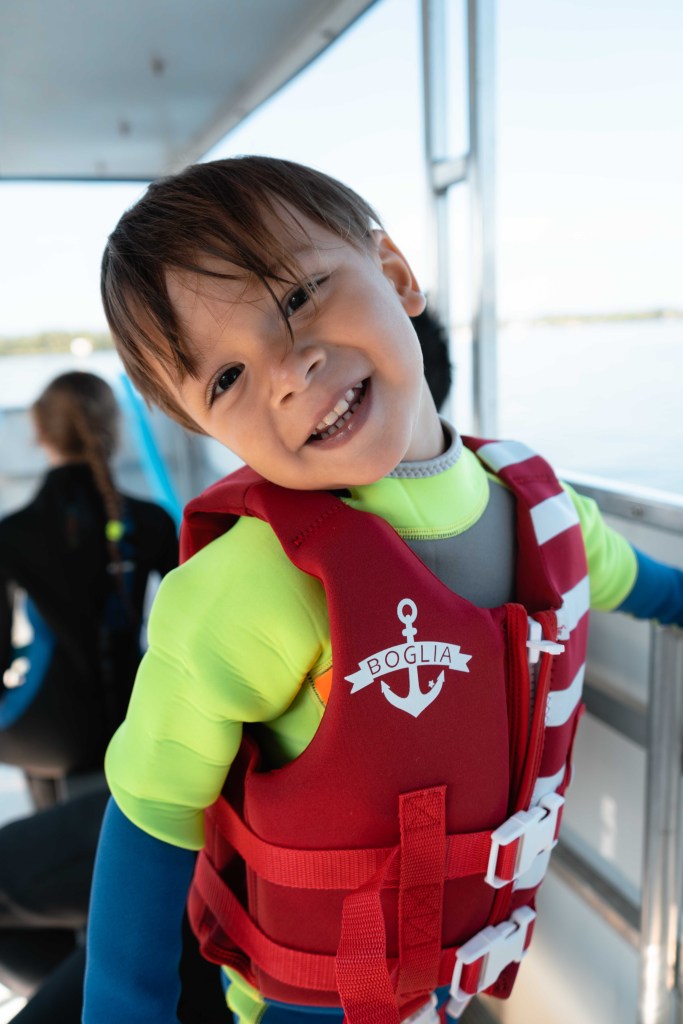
x=51, y=341
x=61, y=341
x=566, y=319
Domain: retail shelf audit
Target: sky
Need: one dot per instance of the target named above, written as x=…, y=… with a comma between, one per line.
x=589, y=162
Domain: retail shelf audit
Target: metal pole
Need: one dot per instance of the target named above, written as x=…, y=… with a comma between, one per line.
x=477, y=169
x=482, y=67
x=435, y=106
x=661, y=898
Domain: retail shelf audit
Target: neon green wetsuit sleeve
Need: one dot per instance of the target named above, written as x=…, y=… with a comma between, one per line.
x=216, y=659
x=612, y=565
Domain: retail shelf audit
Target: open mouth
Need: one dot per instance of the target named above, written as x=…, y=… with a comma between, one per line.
x=338, y=417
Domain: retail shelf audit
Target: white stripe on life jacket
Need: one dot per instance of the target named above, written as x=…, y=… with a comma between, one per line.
x=553, y=516
x=563, y=703
x=561, y=706
x=500, y=454
x=575, y=604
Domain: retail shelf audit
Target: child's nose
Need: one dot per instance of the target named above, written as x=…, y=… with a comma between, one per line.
x=297, y=369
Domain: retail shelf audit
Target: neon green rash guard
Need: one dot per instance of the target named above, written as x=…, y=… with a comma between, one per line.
x=239, y=634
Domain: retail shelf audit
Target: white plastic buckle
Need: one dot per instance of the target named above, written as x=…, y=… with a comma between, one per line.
x=498, y=946
x=427, y=1014
x=538, y=645
x=535, y=829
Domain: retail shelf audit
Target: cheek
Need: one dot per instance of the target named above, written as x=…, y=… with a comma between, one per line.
x=250, y=439
x=408, y=351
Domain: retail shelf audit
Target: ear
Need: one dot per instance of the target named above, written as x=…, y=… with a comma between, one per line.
x=396, y=269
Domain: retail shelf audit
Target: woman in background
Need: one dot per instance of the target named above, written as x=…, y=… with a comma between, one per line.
x=74, y=566
x=74, y=569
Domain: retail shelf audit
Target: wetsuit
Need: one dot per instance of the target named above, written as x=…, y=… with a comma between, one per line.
x=259, y=653
x=76, y=642
x=61, y=617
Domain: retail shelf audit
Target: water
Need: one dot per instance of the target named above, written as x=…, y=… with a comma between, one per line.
x=604, y=399
x=22, y=378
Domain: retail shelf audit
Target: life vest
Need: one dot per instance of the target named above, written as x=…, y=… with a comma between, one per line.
x=402, y=850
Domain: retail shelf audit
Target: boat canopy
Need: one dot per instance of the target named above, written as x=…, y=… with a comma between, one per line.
x=132, y=90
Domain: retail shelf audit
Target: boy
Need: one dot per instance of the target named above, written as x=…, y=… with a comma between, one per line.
x=259, y=302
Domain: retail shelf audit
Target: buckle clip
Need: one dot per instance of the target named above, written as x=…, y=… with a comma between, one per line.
x=427, y=1014
x=484, y=957
x=533, y=831
x=537, y=645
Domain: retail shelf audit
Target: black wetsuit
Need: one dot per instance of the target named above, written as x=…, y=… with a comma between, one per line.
x=55, y=550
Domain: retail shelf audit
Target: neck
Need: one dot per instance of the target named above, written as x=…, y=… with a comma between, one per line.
x=56, y=458
x=428, y=440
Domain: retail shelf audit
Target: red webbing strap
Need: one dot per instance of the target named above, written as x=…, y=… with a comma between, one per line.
x=420, y=896
x=466, y=854
x=318, y=972
x=304, y=970
x=295, y=868
x=469, y=978
x=365, y=986
x=506, y=862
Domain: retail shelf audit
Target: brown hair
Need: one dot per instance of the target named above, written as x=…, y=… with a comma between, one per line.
x=219, y=209
x=77, y=415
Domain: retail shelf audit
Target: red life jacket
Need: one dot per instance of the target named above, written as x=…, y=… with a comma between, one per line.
x=402, y=849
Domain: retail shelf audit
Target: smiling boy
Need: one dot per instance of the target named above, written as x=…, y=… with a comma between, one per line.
x=337, y=708
x=310, y=415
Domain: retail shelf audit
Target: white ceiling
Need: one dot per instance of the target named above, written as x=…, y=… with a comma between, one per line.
x=132, y=89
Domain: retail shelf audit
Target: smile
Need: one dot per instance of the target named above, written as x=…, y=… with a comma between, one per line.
x=342, y=412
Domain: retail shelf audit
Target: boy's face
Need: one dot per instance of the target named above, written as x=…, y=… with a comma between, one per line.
x=346, y=400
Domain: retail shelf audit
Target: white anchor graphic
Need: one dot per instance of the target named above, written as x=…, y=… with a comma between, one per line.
x=416, y=700
x=441, y=655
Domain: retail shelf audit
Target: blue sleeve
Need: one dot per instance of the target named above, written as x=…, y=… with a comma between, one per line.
x=657, y=592
x=138, y=898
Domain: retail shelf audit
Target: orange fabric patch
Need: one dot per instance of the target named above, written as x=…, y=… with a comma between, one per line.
x=323, y=685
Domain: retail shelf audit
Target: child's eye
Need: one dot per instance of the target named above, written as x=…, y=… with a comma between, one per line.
x=301, y=295
x=296, y=300
x=226, y=379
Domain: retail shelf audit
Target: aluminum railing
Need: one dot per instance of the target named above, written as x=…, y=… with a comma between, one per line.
x=653, y=927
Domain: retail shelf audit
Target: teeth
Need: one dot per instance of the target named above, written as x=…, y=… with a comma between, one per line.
x=341, y=412
x=340, y=409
